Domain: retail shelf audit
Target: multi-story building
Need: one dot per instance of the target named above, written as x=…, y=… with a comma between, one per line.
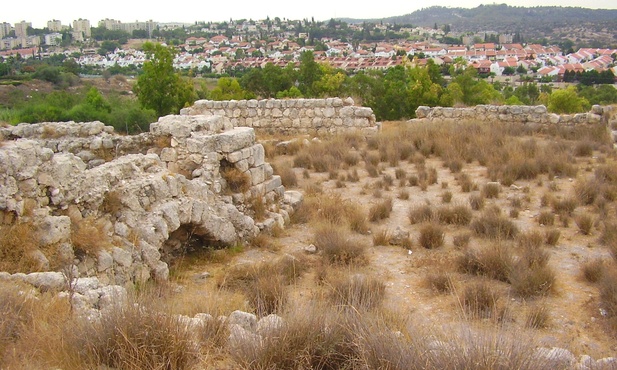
x=81, y=29
x=114, y=25
x=53, y=39
x=5, y=29
x=21, y=29
x=54, y=25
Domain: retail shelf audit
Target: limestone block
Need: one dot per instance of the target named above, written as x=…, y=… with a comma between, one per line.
x=236, y=139
x=46, y=281
x=273, y=183
x=245, y=320
x=243, y=165
x=169, y=155
x=54, y=229
x=258, y=155
x=257, y=175
x=122, y=257
x=104, y=261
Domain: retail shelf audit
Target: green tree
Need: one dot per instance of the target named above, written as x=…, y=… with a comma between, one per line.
x=159, y=87
x=567, y=101
x=309, y=73
x=228, y=88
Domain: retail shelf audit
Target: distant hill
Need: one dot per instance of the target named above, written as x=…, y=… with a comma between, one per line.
x=504, y=18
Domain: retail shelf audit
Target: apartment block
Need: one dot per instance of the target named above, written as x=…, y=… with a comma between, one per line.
x=54, y=25
x=21, y=29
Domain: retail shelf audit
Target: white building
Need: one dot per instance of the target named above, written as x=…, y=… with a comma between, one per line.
x=53, y=39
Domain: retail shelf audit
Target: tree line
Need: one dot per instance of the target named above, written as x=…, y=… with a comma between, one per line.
x=393, y=93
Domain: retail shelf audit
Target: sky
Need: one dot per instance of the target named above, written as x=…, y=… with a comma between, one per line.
x=189, y=11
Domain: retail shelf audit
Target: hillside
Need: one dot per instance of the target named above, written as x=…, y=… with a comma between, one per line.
x=504, y=18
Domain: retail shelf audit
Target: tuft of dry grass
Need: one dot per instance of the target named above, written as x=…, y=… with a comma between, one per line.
x=551, y=236
x=480, y=301
x=493, y=225
x=538, y=317
x=381, y=210
x=461, y=240
x=495, y=261
x=476, y=201
x=439, y=282
x=593, y=270
x=288, y=175
x=546, y=218
x=431, y=235
x=381, y=237
x=584, y=222
x=17, y=243
x=337, y=247
x=491, y=190
x=420, y=214
x=358, y=291
x=456, y=215
x=237, y=181
x=89, y=236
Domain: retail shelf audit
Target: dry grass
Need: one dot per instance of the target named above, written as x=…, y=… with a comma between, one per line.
x=454, y=215
x=17, y=243
x=551, y=236
x=418, y=214
x=89, y=237
x=237, y=181
x=480, y=301
x=495, y=261
x=546, y=218
x=381, y=237
x=491, y=190
x=439, y=282
x=337, y=247
x=492, y=224
x=357, y=291
x=288, y=175
x=593, y=270
x=431, y=235
x=380, y=211
x=538, y=316
x=584, y=222
x=265, y=284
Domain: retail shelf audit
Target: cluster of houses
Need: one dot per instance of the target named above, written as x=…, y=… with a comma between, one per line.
x=221, y=54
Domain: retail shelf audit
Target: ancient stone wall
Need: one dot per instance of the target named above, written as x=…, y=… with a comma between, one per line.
x=513, y=113
x=143, y=197
x=293, y=116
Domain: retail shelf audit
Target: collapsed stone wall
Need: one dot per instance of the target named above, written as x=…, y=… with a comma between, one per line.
x=292, y=116
x=133, y=192
x=514, y=113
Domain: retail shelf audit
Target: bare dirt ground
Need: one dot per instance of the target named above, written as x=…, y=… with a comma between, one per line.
x=576, y=322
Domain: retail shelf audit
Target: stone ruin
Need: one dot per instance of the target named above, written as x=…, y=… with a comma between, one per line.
x=292, y=116
x=120, y=207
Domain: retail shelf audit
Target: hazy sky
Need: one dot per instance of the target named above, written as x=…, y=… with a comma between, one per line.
x=40, y=11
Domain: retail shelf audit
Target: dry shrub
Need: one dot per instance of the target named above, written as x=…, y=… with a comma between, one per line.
x=584, y=148
x=88, y=236
x=531, y=239
x=495, y=261
x=546, y=218
x=587, y=190
x=465, y=182
x=476, y=201
x=530, y=281
x=564, y=206
x=356, y=218
x=420, y=214
x=538, y=317
x=456, y=215
x=584, y=222
x=400, y=173
x=491, y=190
x=439, y=282
x=313, y=337
x=381, y=237
x=133, y=336
x=258, y=207
x=15, y=312
x=461, y=240
x=288, y=175
x=372, y=170
x=264, y=284
x=17, y=243
x=337, y=247
x=431, y=236
x=608, y=299
x=381, y=210
x=593, y=270
x=480, y=301
x=551, y=236
x=351, y=158
x=403, y=194
x=446, y=196
x=237, y=181
x=112, y=203
x=357, y=291
x=493, y=225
